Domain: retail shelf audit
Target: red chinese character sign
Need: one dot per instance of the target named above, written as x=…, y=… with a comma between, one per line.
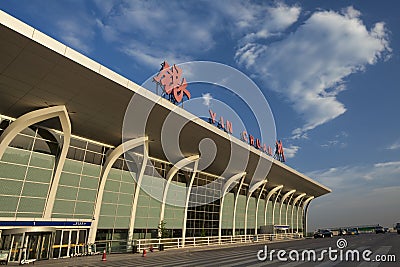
x=279, y=155
x=171, y=81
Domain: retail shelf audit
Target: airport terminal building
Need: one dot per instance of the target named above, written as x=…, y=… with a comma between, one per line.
x=64, y=179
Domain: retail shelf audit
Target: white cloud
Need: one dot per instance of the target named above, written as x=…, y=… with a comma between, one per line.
x=207, y=99
x=291, y=151
x=356, y=190
x=394, y=146
x=309, y=66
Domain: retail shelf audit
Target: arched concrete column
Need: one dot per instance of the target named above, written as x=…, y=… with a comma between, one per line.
x=284, y=197
x=114, y=155
x=293, y=206
x=31, y=118
x=189, y=189
x=235, y=205
x=287, y=209
x=299, y=209
x=225, y=188
x=249, y=193
x=257, y=204
x=304, y=213
x=179, y=165
x=269, y=195
x=274, y=206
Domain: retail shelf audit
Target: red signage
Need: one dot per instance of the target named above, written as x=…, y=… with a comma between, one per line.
x=248, y=138
x=170, y=79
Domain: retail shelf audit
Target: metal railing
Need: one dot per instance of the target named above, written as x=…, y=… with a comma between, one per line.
x=172, y=243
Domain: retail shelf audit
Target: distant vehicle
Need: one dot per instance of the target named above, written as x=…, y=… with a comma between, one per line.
x=398, y=228
x=321, y=233
x=352, y=231
x=386, y=229
x=379, y=229
x=342, y=232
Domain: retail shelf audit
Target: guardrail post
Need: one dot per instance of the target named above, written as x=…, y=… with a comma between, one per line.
x=178, y=242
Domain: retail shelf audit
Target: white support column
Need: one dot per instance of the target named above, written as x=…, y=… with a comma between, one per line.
x=115, y=154
x=31, y=118
x=235, y=205
x=257, y=204
x=293, y=206
x=305, y=207
x=297, y=214
x=228, y=183
x=304, y=213
x=273, y=207
x=249, y=193
x=287, y=208
x=196, y=164
x=179, y=165
x=284, y=197
x=270, y=194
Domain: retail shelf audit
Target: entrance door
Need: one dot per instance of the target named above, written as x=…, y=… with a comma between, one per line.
x=16, y=245
x=37, y=245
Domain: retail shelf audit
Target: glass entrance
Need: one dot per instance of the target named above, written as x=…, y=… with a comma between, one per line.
x=16, y=244
x=37, y=245
x=69, y=242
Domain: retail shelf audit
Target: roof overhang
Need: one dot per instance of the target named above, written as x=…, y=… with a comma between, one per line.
x=37, y=71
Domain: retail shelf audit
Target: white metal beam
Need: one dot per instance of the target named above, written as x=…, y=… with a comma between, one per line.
x=114, y=155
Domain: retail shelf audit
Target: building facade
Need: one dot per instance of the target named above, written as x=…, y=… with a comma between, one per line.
x=65, y=180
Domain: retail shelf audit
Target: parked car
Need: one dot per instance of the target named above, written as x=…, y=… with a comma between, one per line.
x=321, y=233
x=398, y=228
x=352, y=231
x=342, y=231
x=379, y=229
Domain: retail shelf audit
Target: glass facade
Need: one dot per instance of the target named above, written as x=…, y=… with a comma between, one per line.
x=28, y=166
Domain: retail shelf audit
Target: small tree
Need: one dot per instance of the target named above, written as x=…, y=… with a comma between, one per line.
x=162, y=230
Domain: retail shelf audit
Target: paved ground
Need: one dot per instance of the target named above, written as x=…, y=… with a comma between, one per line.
x=246, y=255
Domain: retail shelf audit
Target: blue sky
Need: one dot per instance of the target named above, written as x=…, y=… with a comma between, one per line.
x=329, y=70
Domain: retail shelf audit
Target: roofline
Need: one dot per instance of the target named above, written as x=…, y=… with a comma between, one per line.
x=69, y=53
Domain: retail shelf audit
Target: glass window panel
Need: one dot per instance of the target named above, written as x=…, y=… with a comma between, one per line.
x=73, y=166
x=107, y=209
x=121, y=222
x=39, y=175
x=22, y=141
x=78, y=143
x=127, y=188
x=125, y=199
x=114, y=174
x=14, y=155
x=64, y=206
x=110, y=197
x=89, y=182
x=31, y=205
x=64, y=192
x=35, y=190
x=112, y=186
x=84, y=208
x=12, y=171
x=69, y=179
x=42, y=160
x=8, y=203
x=91, y=169
x=87, y=195
x=94, y=147
x=9, y=187
x=106, y=222
x=29, y=214
x=75, y=153
x=128, y=177
x=124, y=210
x=46, y=147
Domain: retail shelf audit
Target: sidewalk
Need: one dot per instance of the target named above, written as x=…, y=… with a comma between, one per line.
x=112, y=259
